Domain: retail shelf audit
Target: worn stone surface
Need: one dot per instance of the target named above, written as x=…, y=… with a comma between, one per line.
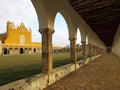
x=41, y=81
x=47, y=50
x=101, y=74
x=116, y=43
x=73, y=50
x=90, y=50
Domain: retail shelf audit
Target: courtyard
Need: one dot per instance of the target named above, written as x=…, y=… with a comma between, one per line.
x=15, y=67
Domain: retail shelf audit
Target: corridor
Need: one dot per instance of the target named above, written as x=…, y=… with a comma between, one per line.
x=101, y=74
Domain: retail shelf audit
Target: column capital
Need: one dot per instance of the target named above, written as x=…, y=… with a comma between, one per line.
x=83, y=42
x=46, y=30
x=73, y=39
x=89, y=44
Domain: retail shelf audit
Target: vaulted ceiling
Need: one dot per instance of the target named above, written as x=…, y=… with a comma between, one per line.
x=103, y=16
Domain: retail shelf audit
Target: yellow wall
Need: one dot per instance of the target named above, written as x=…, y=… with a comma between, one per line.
x=14, y=33
x=36, y=43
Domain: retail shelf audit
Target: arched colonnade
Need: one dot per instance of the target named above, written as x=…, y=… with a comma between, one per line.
x=46, y=12
x=16, y=51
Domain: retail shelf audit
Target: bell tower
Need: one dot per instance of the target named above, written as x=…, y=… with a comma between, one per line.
x=9, y=27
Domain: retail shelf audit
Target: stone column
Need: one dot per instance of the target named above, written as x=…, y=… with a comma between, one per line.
x=47, y=63
x=93, y=47
x=89, y=50
x=96, y=51
x=73, y=50
x=84, y=53
x=93, y=50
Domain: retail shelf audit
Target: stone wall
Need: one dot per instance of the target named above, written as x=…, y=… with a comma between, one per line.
x=116, y=43
x=41, y=81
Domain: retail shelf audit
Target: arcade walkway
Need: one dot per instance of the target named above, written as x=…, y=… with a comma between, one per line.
x=101, y=74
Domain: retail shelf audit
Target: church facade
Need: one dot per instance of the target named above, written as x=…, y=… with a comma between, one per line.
x=18, y=40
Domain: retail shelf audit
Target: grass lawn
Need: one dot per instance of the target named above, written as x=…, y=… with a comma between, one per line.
x=16, y=67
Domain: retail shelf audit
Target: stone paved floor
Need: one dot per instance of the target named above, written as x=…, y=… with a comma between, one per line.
x=101, y=74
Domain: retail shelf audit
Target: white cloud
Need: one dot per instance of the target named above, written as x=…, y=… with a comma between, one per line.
x=17, y=11
x=60, y=40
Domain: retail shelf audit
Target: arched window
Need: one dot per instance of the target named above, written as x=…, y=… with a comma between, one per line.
x=22, y=39
x=22, y=29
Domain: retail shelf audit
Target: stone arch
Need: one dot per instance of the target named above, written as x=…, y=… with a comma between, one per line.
x=26, y=50
x=40, y=10
x=5, y=51
x=30, y=51
x=21, y=50
x=16, y=50
x=83, y=32
x=11, y=51
x=69, y=22
x=37, y=50
x=78, y=35
x=87, y=39
x=90, y=38
x=47, y=15
x=47, y=26
x=61, y=30
x=34, y=50
x=78, y=44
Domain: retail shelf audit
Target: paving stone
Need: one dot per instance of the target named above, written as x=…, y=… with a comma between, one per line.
x=101, y=74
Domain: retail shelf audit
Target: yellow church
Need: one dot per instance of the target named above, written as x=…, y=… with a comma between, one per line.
x=18, y=40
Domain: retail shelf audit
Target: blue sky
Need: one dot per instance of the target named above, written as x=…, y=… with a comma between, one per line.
x=18, y=11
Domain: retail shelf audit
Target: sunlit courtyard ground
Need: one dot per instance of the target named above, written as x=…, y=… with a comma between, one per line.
x=16, y=67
